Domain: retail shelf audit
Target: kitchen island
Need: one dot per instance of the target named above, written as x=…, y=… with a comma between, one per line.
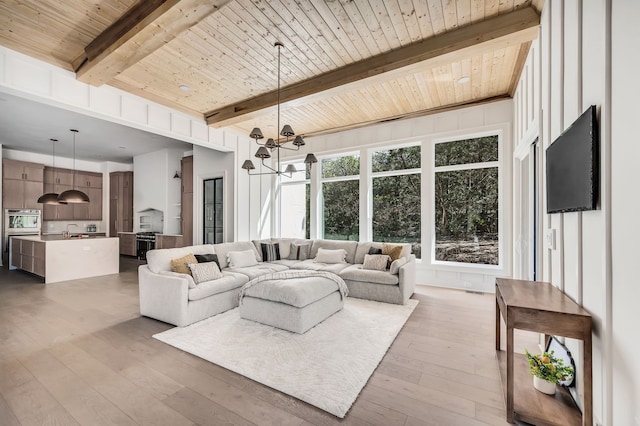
x=61, y=259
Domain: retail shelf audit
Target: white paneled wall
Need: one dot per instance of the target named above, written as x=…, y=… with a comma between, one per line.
x=496, y=116
x=588, y=56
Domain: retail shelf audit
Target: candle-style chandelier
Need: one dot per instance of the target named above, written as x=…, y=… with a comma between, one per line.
x=264, y=152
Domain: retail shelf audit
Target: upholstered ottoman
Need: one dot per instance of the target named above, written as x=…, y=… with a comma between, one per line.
x=294, y=300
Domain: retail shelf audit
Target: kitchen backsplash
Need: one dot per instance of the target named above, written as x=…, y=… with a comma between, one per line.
x=59, y=226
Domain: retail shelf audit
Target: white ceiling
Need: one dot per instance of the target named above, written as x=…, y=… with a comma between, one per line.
x=26, y=125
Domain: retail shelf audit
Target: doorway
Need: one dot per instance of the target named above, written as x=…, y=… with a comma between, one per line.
x=213, y=219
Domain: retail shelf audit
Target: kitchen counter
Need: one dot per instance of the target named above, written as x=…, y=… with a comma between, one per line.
x=58, y=259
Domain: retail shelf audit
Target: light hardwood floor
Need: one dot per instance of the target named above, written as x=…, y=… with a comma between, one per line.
x=79, y=352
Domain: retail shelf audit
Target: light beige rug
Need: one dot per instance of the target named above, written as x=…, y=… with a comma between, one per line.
x=327, y=366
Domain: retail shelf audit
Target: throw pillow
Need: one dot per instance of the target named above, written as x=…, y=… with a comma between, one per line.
x=204, y=271
x=180, y=265
x=204, y=258
x=331, y=256
x=375, y=250
x=240, y=259
x=299, y=251
x=376, y=262
x=270, y=252
x=394, y=251
x=396, y=264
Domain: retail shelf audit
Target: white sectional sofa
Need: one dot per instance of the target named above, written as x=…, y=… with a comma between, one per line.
x=176, y=299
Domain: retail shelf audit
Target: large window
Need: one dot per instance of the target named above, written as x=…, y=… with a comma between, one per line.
x=341, y=198
x=466, y=201
x=295, y=204
x=396, y=196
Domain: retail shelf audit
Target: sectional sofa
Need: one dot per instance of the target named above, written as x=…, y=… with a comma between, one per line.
x=175, y=298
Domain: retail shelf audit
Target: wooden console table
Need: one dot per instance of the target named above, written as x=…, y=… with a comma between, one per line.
x=542, y=308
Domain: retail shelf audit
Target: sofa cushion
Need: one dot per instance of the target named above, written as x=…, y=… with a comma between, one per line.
x=257, y=244
x=260, y=269
x=299, y=251
x=180, y=265
x=205, y=258
x=394, y=251
x=229, y=281
x=286, y=262
x=312, y=265
x=270, y=251
x=160, y=259
x=364, y=248
x=207, y=271
x=349, y=246
x=331, y=256
x=376, y=262
x=241, y=259
x=223, y=248
x=356, y=273
x=285, y=245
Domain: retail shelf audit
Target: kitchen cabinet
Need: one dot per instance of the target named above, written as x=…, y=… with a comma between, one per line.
x=22, y=184
x=186, y=206
x=169, y=241
x=120, y=202
x=28, y=256
x=91, y=184
x=128, y=243
x=59, y=180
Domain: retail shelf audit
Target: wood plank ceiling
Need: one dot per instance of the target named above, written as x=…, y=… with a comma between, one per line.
x=345, y=63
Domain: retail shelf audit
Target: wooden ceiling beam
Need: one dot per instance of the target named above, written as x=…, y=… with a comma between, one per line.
x=146, y=27
x=502, y=31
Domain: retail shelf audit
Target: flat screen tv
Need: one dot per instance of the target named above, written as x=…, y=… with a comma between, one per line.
x=573, y=167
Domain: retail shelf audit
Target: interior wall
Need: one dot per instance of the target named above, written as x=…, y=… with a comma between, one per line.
x=155, y=188
x=625, y=205
x=208, y=164
x=588, y=56
x=495, y=116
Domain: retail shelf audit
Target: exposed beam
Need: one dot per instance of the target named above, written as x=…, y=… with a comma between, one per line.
x=146, y=27
x=502, y=31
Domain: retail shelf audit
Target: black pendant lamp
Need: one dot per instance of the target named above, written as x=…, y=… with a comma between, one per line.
x=73, y=196
x=51, y=197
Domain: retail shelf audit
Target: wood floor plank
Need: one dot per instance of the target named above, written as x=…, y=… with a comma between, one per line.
x=7, y=418
x=141, y=406
x=79, y=352
x=203, y=411
x=85, y=404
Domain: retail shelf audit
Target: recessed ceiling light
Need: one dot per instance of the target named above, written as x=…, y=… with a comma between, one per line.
x=184, y=88
x=463, y=80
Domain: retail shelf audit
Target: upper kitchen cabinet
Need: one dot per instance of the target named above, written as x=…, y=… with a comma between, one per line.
x=22, y=184
x=91, y=184
x=187, y=174
x=59, y=180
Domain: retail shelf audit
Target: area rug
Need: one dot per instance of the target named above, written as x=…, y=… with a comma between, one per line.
x=326, y=367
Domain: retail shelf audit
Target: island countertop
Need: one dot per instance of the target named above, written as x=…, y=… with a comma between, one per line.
x=61, y=259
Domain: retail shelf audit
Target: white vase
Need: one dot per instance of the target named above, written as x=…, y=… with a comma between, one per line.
x=544, y=386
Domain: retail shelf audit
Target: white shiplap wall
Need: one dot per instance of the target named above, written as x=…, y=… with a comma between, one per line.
x=496, y=116
x=588, y=56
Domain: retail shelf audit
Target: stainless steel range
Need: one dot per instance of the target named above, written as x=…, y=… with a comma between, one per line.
x=145, y=241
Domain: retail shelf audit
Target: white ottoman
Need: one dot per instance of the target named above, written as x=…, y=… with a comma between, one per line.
x=295, y=303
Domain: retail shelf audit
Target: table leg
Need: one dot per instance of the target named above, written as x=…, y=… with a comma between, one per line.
x=587, y=377
x=497, y=325
x=509, y=373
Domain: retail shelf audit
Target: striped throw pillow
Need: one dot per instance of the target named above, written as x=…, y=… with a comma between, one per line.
x=270, y=252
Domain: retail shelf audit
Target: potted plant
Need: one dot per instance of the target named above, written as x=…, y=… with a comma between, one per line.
x=548, y=371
